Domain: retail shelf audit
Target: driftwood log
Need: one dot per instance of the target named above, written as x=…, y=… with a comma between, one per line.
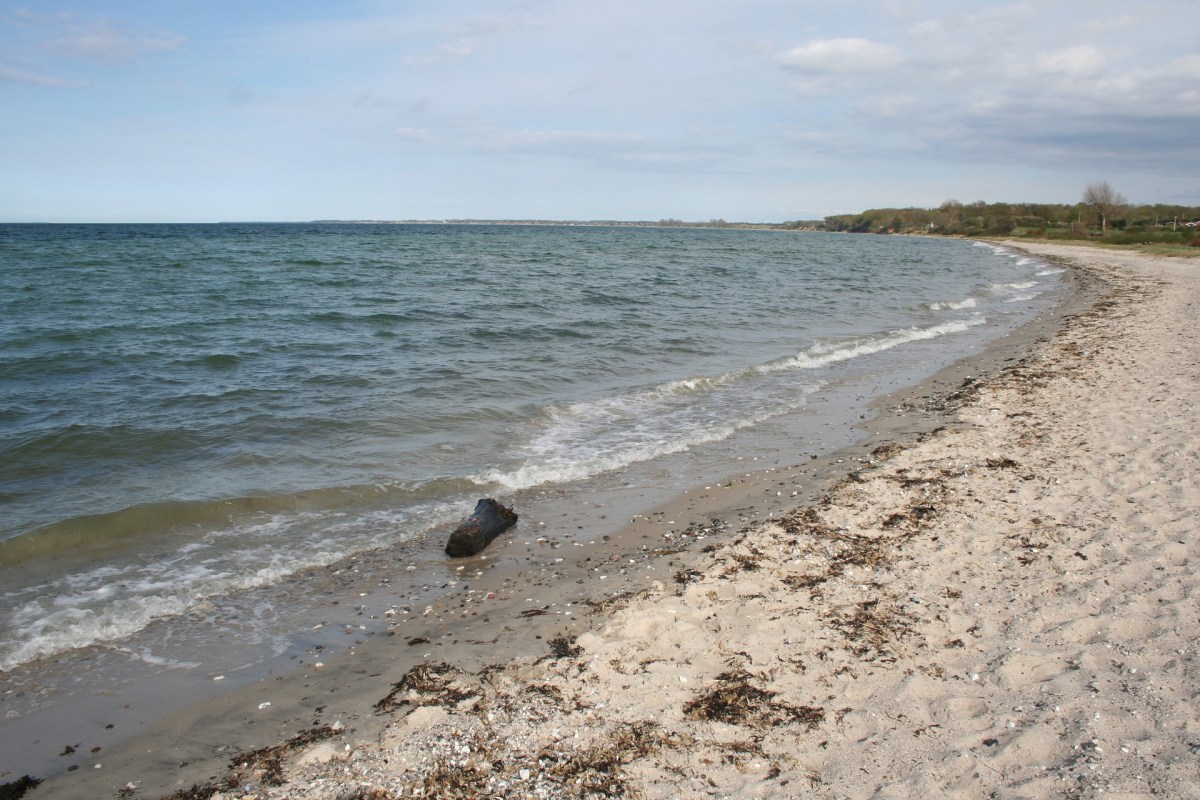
x=478, y=530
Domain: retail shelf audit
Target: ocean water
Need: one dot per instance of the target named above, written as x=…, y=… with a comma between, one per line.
x=192, y=411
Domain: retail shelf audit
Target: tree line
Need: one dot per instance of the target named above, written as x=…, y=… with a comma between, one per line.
x=1101, y=212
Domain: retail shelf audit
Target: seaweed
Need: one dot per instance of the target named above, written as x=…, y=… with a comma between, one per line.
x=872, y=627
x=268, y=761
x=562, y=647
x=202, y=791
x=452, y=782
x=917, y=515
x=885, y=451
x=797, y=582
x=598, y=770
x=14, y=790
x=615, y=601
x=427, y=684
x=364, y=793
x=737, y=701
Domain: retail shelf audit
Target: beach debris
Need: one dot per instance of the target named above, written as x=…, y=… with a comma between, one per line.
x=433, y=683
x=267, y=762
x=885, y=451
x=736, y=701
x=873, y=628
x=914, y=515
x=203, y=791
x=13, y=790
x=476, y=532
x=563, y=647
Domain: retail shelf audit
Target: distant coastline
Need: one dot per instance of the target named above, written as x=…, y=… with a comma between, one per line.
x=595, y=223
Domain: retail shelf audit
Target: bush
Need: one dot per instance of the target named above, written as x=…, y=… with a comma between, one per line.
x=1147, y=237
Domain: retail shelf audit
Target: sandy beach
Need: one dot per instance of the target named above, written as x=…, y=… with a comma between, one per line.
x=992, y=596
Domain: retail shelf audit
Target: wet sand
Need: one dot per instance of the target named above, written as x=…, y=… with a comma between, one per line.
x=931, y=611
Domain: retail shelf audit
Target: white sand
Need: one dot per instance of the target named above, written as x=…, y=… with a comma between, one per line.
x=1006, y=608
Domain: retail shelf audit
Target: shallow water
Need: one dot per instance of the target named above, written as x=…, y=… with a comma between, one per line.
x=191, y=414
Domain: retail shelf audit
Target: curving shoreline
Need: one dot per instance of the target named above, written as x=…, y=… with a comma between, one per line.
x=948, y=618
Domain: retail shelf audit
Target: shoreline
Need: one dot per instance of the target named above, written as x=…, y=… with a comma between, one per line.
x=342, y=692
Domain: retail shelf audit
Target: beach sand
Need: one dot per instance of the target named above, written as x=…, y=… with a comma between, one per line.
x=994, y=595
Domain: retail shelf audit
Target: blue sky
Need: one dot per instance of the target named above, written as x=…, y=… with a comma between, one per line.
x=762, y=110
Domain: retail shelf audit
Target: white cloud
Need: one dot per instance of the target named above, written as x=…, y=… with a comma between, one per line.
x=1120, y=22
x=1077, y=62
x=101, y=42
x=449, y=50
x=557, y=140
x=609, y=149
x=15, y=75
x=462, y=48
x=842, y=56
x=891, y=106
x=656, y=107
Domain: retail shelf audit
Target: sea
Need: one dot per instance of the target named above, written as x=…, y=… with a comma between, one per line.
x=192, y=414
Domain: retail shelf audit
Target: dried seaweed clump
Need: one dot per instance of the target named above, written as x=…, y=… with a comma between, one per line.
x=429, y=684
x=202, y=791
x=966, y=394
x=616, y=601
x=594, y=772
x=562, y=647
x=885, y=451
x=872, y=627
x=737, y=701
x=1001, y=463
x=268, y=761
x=597, y=772
x=367, y=793
x=452, y=781
x=13, y=790
x=914, y=516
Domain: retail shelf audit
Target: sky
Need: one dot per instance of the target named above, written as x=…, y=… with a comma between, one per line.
x=744, y=110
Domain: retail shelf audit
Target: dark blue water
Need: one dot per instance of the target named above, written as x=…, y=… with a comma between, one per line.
x=187, y=410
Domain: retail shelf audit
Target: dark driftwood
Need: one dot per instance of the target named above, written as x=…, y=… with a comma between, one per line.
x=478, y=530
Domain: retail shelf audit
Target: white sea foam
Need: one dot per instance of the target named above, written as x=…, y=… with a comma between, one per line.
x=109, y=603
x=995, y=248
x=560, y=470
x=953, y=305
x=581, y=440
x=821, y=355
x=1001, y=288
x=68, y=628
x=158, y=661
x=586, y=439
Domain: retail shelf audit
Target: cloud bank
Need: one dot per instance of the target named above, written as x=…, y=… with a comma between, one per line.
x=754, y=110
